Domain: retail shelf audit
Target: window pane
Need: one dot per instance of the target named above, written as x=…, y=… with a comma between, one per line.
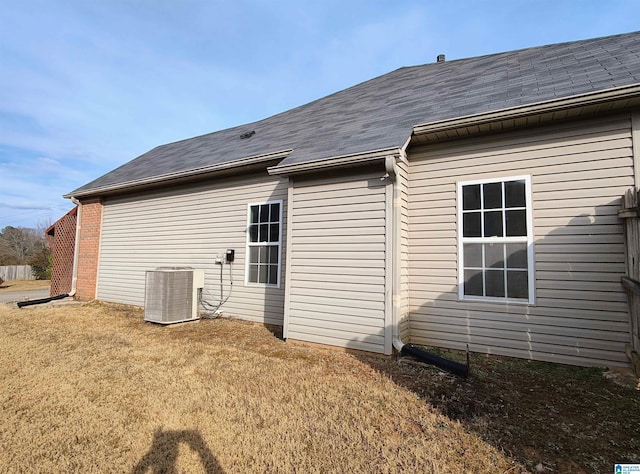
x=471, y=224
x=263, y=273
x=253, y=215
x=263, y=235
x=472, y=255
x=253, y=273
x=493, y=224
x=264, y=213
x=471, y=197
x=492, y=195
x=273, y=274
x=264, y=255
x=253, y=254
x=514, y=194
x=273, y=254
x=517, y=255
x=495, y=283
x=274, y=232
x=516, y=223
x=518, y=284
x=253, y=233
x=275, y=213
x=473, y=282
x=494, y=255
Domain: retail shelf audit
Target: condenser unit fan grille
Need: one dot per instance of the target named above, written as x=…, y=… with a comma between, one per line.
x=169, y=296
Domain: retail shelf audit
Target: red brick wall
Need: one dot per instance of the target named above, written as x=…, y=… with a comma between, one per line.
x=88, y=250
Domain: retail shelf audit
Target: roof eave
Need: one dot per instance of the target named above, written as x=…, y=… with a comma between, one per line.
x=355, y=159
x=196, y=173
x=619, y=97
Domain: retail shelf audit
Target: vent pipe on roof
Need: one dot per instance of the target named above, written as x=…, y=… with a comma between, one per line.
x=440, y=58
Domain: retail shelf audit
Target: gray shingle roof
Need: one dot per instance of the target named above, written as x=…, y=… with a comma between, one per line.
x=380, y=113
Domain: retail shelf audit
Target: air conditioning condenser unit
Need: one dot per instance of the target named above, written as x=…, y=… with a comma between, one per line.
x=171, y=294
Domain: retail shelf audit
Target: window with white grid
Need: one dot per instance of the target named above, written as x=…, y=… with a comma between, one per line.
x=264, y=241
x=495, y=243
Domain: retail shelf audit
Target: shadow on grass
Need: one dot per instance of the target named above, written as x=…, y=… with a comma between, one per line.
x=275, y=330
x=163, y=454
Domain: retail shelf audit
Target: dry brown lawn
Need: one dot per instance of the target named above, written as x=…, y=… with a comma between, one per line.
x=96, y=389
x=20, y=285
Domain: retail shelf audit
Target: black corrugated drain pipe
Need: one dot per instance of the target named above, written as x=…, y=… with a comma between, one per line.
x=42, y=300
x=445, y=364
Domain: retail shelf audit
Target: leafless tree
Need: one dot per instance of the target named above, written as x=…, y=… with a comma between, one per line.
x=17, y=244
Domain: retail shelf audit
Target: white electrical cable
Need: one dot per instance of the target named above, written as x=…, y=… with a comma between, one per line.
x=213, y=307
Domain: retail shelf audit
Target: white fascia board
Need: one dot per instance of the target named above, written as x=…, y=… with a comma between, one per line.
x=553, y=105
x=182, y=174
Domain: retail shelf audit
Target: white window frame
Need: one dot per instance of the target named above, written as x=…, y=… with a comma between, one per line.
x=528, y=239
x=250, y=244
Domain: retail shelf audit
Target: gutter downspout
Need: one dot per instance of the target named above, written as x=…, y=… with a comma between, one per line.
x=76, y=248
x=635, y=146
x=391, y=168
x=392, y=173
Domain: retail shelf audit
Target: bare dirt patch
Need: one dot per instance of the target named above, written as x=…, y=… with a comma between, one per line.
x=550, y=417
x=96, y=389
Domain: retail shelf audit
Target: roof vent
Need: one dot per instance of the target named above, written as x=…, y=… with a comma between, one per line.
x=248, y=134
x=440, y=58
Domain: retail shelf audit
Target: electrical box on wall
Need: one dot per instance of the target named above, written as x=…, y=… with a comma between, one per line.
x=230, y=255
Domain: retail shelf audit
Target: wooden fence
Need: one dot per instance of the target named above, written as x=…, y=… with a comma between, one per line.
x=630, y=213
x=16, y=272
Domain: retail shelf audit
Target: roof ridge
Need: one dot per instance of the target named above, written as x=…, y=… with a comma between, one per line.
x=521, y=50
x=248, y=125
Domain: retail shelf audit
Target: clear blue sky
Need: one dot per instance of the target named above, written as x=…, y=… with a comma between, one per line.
x=87, y=85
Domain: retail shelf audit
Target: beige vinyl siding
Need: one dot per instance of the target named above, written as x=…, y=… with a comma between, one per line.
x=336, y=281
x=579, y=170
x=188, y=226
